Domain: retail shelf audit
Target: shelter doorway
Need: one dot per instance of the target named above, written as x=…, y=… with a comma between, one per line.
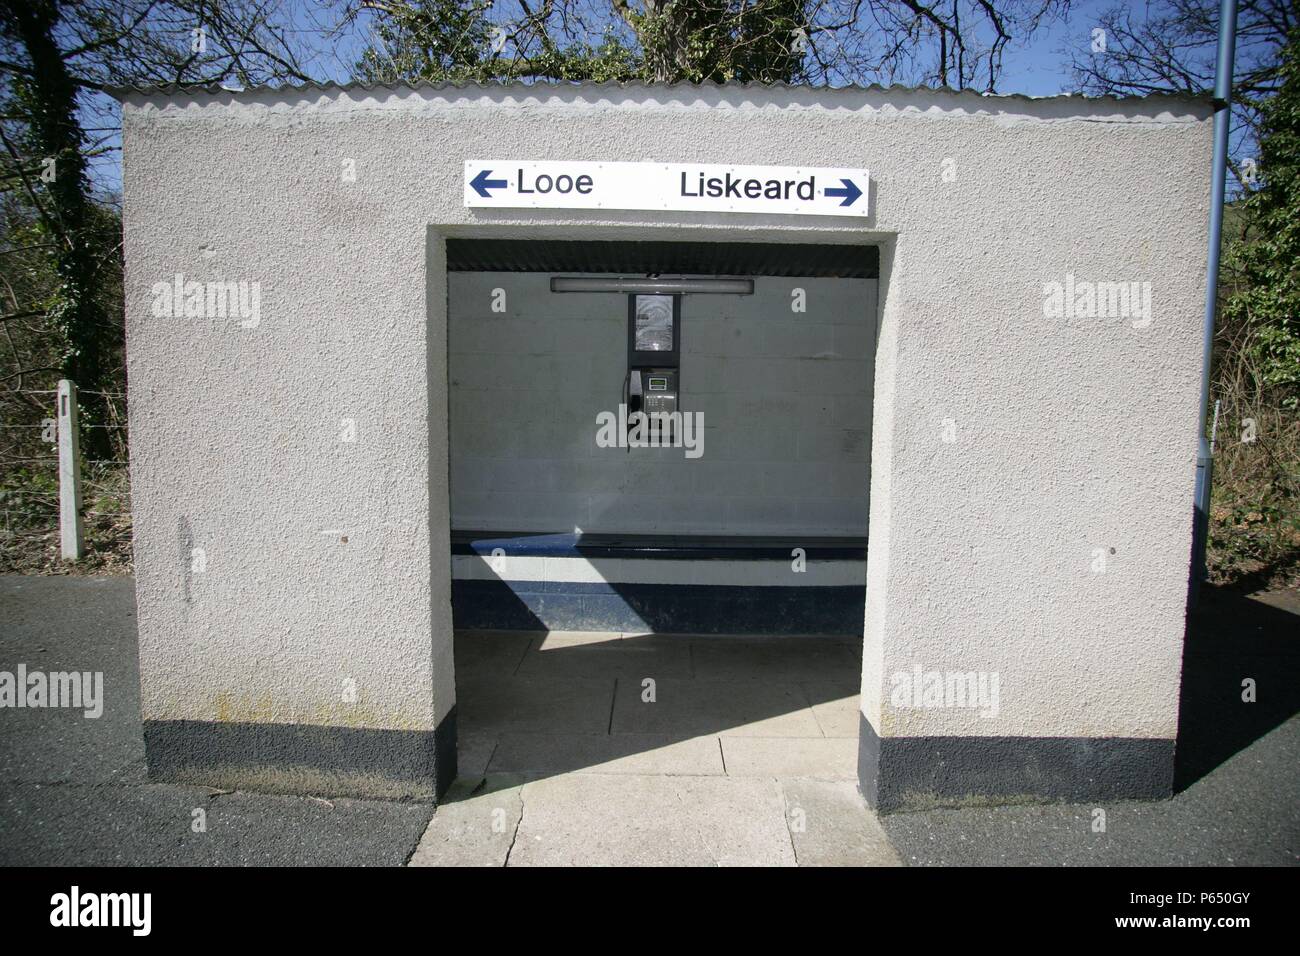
x=685, y=598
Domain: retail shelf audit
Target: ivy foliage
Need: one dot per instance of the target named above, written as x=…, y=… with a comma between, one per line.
x=1265, y=264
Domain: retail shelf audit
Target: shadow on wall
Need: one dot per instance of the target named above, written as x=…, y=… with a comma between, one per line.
x=1231, y=639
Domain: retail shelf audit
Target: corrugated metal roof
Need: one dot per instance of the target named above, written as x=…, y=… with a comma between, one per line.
x=825, y=260
x=175, y=89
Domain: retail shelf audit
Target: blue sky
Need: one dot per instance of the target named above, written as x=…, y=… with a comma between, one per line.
x=1039, y=69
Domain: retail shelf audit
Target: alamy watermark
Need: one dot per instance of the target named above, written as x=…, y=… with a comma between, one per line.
x=75, y=908
x=79, y=690
x=1098, y=300
x=179, y=299
x=920, y=688
x=625, y=429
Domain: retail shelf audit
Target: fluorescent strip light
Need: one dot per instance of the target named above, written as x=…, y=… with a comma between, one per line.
x=652, y=286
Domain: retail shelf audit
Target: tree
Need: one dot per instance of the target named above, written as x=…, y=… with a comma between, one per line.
x=714, y=40
x=1169, y=46
x=46, y=97
x=957, y=43
x=458, y=40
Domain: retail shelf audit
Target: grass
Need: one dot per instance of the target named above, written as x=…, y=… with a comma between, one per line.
x=29, y=536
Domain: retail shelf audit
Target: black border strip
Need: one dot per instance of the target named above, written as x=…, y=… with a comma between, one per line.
x=304, y=759
x=915, y=773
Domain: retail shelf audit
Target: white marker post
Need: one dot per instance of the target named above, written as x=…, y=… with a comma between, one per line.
x=69, y=473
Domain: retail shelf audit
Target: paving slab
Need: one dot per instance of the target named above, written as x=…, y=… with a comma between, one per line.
x=554, y=705
x=831, y=825
x=473, y=753
x=491, y=653
x=626, y=820
x=606, y=655
x=789, y=659
x=475, y=825
x=825, y=759
x=620, y=753
x=696, y=708
x=836, y=707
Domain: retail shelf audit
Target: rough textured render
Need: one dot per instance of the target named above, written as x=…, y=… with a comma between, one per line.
x=1011, y=452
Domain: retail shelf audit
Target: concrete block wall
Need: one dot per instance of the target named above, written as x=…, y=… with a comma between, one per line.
x=785, y=395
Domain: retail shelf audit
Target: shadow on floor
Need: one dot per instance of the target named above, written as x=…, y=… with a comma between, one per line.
x=787, y=706
x=1232, y=637
x=544, y=704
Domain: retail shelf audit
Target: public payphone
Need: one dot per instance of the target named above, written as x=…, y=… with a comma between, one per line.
x=653, y=360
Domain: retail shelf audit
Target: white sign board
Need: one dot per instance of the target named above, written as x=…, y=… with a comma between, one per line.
x=691, y=187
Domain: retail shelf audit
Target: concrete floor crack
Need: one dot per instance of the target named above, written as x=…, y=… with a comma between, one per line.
x=785, y=812
x=518, y=824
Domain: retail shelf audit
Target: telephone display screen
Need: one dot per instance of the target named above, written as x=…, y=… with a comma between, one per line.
x=654, y=323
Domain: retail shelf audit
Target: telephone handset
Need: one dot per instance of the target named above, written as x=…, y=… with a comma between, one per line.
x=632, y=392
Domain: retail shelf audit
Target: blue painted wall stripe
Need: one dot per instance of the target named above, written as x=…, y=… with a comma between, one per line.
x=673, y=609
